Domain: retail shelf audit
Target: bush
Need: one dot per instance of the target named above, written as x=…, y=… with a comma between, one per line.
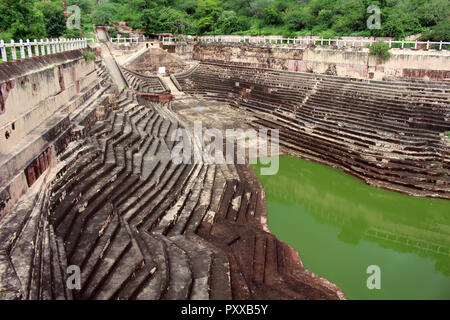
x=440, y=32
x=72, y=33
x=54, y=19
x=380, y=49
x=88, y=56
x=113, y=32
x=297, y=19
x=272, y=16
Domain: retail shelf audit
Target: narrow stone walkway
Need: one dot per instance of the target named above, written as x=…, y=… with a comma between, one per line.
x=173, y=89
x=110, y=62
x=112, y=67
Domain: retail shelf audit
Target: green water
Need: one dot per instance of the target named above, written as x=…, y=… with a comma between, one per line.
x=340, y=226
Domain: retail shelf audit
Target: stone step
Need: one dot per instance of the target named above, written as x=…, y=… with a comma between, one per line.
x=200, y=262
x=94, y=260
x=130, y=263
x=163, y=198
x=73, y=196
x=95, y=204
x=25, y=254
x=118, y=248
x=58, y=282
x=134, y=206
x=138, y=157
x=141, y=277
x=179, y=282
x=141, y=186
x=160, y=279
x=178, y=226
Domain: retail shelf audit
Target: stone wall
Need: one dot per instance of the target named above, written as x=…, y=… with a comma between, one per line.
x=346, y=62
x=32, y=90
x=149, y=62
x=37, y=96
x=185, y=51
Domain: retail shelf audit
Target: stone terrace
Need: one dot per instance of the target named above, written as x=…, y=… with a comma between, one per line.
x=390, y=134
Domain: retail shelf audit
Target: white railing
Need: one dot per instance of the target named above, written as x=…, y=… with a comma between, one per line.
x=311, y=40
x=125, y=40
x=28, y=49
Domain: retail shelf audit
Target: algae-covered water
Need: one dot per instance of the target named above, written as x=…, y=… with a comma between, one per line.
x=341, y=226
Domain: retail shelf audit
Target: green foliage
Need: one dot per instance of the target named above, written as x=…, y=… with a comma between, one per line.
x=272, y=15
x=329, y=18
x=297, y=19
x=207, y=13
x=105, y=13
x=72, y=33
x=380, y=49
x=113, y=32
x=440, y=32
x=21, y=19
x=88, y=56
x=54, y=19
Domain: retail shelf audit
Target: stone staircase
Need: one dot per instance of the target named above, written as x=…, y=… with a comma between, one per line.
x=144, y=83
x=141, y=227
x=390, y=134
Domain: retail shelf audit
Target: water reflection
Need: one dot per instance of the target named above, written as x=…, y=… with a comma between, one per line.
x=393, y=221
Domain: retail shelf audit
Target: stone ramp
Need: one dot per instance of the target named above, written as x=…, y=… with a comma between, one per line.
x=112, y=67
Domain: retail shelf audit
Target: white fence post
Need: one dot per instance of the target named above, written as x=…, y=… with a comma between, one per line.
x=47, y=42
x=36, y=48
x=22, y=49
x=13, y=50
x=42, y=47
x=3, y=50
x=30, y=53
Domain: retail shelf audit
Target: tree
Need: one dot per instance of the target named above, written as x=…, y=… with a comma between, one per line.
x=380, y=49
x=106, y=13
x=398, y=24
x=272, y=15
x=207, y=13
x=351, y=17
x=208, y=8
x=229, y=22
x=297, y=19
x=86, y=6
x=21, y=19
x=432, y=12
x=440, y=32
x=54, y=18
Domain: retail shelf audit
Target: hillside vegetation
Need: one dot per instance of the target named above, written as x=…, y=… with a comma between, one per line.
x=327, y=18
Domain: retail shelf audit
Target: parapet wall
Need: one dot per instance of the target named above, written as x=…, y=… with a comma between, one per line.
x=37, y=96
x=33, y=89
x=345, y=62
